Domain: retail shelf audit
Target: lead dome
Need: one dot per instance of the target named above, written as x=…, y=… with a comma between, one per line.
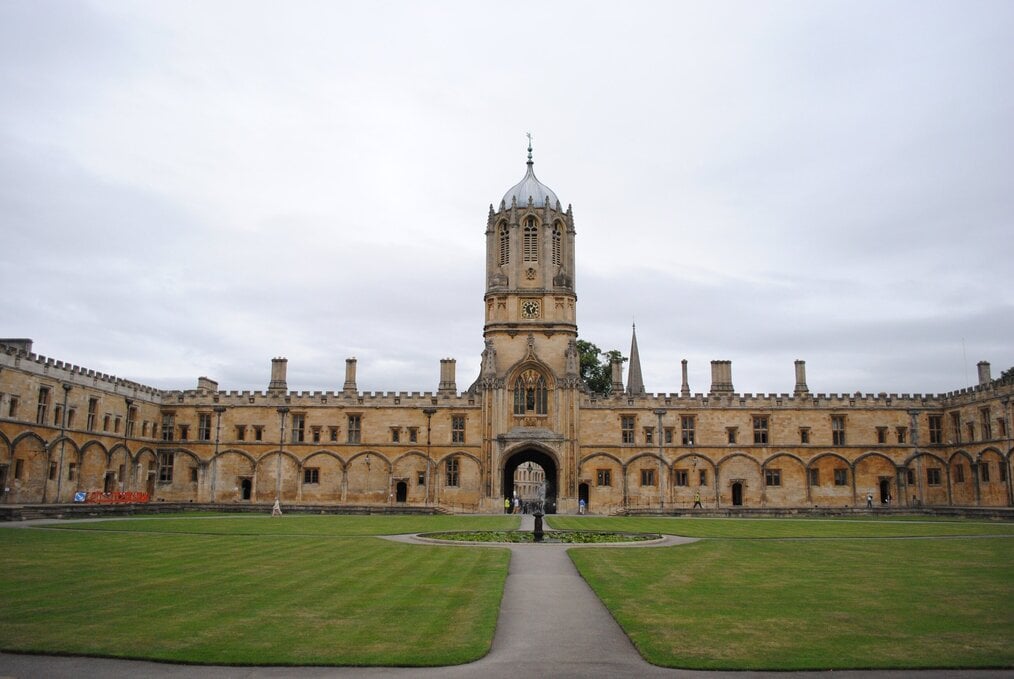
x=530, y=187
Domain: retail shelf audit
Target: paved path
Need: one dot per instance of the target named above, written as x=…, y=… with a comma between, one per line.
x=551, y=624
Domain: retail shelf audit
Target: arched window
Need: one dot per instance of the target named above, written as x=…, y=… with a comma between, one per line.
x=530, y=394
x=557, y=244
x=505, y=245
x=531, y=240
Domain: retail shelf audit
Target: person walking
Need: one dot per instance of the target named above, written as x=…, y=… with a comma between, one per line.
x=277, y=509
x=580, y=506
x=506, y=505
x=697, y=500
x=869, y=500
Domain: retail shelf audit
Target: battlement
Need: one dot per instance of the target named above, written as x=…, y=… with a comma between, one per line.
x=405, y=399
x=14, y=356
x=754, y=401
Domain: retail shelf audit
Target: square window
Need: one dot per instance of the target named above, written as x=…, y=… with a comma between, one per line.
x=647, y=477
x=682, y=477
x=933, y=476
x=311, y=475
x=841, y=476
x=603, y=477
x=772, y=477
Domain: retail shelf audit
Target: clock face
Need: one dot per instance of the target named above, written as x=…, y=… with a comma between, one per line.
x=530, y=308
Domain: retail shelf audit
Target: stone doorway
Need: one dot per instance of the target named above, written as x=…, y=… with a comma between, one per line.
x=109, y=485
x=246, y=487
x=885, y=489
x=543, y=460
x=401, y=492
x=737, y=494
x=582, y=494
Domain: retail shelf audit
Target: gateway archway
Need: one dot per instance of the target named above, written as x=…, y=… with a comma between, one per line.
x=543, y=460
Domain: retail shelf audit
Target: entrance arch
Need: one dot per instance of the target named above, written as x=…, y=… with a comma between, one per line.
x=582, y=494
x=401, y=492
x=246, y=487
x=540, y=458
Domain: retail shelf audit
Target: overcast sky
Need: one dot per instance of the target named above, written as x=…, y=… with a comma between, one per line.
x=192, y=188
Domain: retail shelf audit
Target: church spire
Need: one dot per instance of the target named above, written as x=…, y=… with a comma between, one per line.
x=635, y=383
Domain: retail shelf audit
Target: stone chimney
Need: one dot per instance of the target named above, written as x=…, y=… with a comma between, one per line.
x=685, y=388
x=350, y=377
x=279, y=366
x=617, y=368
x=721, y=377
x=984, y=373
x=208, y=384
x=801, y=387
x=19, y=343
x=448, y=385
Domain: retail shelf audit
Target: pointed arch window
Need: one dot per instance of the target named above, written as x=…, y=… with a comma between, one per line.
x=504, y=237
x=530, y=394
x=557, y=244
x=531, y=240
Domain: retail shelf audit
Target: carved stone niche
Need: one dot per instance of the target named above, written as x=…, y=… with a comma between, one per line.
x=498, y=280
x=563, y=280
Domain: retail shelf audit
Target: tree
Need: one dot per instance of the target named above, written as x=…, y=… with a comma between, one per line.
x=595, y=372
x=1007, y=374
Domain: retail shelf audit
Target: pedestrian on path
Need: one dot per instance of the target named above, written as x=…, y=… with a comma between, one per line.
x=277, y=509
x=506, y=505
x=869, y=500
x=697, y=500
x=580, y=506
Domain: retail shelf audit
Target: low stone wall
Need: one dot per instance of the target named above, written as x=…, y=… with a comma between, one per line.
x=993, y=513
x=86, y=511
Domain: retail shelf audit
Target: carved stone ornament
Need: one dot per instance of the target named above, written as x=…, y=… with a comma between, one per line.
x=530, y=273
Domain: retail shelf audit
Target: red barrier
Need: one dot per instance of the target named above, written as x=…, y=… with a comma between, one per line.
x=100, y=498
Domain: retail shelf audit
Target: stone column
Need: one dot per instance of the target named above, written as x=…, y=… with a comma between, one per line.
x=721, y=377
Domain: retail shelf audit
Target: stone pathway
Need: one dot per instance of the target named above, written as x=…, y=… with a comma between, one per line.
x=551, y=624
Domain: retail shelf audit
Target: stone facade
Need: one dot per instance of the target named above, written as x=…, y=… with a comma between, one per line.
x=65, y=429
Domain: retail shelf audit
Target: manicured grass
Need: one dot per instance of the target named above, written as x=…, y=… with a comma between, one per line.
x=783, y=528
x=807, y=604
x=298, y=524
x=251, y=599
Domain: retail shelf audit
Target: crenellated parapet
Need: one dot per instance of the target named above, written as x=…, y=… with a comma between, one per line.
x=13, y=356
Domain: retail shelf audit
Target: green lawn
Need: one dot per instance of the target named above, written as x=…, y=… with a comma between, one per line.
x=791, y=604
x=249, y=596
x=784, y=528
x=298, y=524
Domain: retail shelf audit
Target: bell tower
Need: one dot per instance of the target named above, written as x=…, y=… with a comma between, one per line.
x=530, y=384
x=530, y=274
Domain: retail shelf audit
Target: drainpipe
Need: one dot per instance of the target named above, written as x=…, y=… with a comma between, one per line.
x=63, y=428
x=282, y=410
x=214, y=462
x=661, y=461
x=428, y=412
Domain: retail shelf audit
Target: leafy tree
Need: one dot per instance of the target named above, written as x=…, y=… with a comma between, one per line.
x=596, y=372
x=1007, y=374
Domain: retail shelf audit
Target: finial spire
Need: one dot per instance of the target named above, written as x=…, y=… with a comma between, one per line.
x=529, y=135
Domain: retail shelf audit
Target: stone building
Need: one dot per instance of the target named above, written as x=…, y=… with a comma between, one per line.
x=66, y=429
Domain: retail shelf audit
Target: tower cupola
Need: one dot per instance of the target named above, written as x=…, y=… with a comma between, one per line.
x=530, y=188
